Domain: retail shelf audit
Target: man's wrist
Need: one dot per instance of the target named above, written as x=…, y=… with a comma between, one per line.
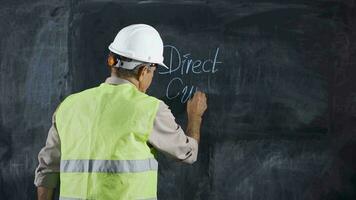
x=44, y=193
x=193, y=127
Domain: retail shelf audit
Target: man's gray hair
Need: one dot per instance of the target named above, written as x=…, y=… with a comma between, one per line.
x=129, y=72
x=125, y=73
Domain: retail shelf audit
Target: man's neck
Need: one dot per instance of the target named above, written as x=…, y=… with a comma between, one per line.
x=130, y=79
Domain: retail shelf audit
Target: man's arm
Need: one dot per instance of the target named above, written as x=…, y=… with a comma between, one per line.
x=169, y=138
x=195, y=110
x=47, y=172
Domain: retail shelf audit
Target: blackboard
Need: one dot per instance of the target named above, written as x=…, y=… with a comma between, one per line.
x=279, y=77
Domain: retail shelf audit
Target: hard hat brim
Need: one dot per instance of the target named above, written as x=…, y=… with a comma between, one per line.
x=163, y=65
x=112, y=49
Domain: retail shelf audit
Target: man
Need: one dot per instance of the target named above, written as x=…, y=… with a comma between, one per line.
x=102, y=141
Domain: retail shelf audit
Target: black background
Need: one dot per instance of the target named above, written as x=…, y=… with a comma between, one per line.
x=281, y=106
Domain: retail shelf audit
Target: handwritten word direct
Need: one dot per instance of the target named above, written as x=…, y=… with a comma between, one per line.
x=186, y=64
x=181, y=65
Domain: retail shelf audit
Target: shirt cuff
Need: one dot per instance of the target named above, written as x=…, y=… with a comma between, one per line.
x=193, y=154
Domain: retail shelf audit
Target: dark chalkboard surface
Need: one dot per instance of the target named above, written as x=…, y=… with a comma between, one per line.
x=279, y=76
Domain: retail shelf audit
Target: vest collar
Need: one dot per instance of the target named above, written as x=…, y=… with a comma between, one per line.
x=113, y=80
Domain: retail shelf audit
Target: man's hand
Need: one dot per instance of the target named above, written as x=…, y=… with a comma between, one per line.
x=195, y=110
x=197, y=105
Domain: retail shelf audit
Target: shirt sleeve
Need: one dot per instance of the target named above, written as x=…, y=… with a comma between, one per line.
x=47, y=172
x=169, y=138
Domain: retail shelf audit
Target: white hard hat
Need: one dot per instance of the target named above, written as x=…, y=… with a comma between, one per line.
x=139, y=42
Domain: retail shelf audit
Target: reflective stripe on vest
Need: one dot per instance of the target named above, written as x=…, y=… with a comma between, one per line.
x=109, y=166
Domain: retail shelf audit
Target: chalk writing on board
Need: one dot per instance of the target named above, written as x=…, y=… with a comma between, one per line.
x=181, y=65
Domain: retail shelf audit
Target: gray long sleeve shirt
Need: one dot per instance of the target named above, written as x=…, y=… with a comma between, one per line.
x=167, y=137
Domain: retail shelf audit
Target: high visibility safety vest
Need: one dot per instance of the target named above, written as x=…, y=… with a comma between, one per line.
x=104, y=152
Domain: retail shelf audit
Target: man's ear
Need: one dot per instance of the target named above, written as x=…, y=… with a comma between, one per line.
x=142, y=72
x=111, y=61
